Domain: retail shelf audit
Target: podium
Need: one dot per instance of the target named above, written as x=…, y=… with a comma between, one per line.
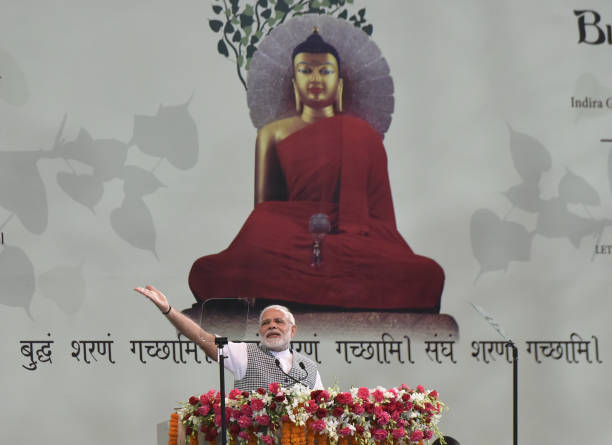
x=297, y=415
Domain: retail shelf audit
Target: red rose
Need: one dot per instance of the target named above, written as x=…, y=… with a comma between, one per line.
x=408, y=406
x=317, y=425
x=235, y=393
x=321, y=412
x=379, y=435
x=416, y=435
x=246, y=410
x=433, y=394
x=203, y=410
x=428, y=434
x=244, y=422
x=268, y=440
x=263, y=420
x=344, y=398
x=257, y=404
x=261, y=391
x=369, y=407
x=383, y=419
x=193, y=400
x=245, y=394
x=311, y=406
x=346, y=431
x=315, y=393
x=357, y=409
x=338, y=411
x=378, y=395
x=405, y=397
x=363, y=393
x=398, y=433
x=272, y=405
x=274, y=388
x=322, y=397
x=378, y=410
x=359, y=429
x=234, y=428
x=420, y=388
x=280, y=397
x=244, y=435
x=188, y=431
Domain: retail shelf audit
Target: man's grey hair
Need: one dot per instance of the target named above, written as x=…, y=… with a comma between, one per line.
x=278, y=307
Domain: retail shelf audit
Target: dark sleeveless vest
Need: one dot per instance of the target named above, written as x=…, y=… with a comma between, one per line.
x=262, y=370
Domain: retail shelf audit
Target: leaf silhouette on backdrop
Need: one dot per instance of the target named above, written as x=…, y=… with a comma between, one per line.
x=171, y=134
x=525, y=196
x=13, y=85
x=495, y=243
x=133, y=223
x=65, y=286
x=105, y=156
x=555, y=220
x=22, y=190
x=84, y=189
x=574, y=189
x=17, y=278
x=138, y=182
x=529, y=156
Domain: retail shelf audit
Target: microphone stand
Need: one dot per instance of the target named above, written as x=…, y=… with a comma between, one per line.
x=511, y=344
x=221, y=342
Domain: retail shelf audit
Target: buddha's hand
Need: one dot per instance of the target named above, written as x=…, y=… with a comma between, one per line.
x=156, y=296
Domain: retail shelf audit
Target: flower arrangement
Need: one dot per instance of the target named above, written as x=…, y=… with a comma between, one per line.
x=298, y=416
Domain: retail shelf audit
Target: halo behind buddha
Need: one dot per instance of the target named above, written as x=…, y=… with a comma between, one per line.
x=368, y=87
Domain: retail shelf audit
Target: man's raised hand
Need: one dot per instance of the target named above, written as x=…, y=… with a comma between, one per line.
x=156, y=296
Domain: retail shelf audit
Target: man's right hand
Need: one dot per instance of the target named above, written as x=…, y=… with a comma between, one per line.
x=156, y=296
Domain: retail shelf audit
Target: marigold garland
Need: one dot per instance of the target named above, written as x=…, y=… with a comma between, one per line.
x=173, y=429
x=299, y=416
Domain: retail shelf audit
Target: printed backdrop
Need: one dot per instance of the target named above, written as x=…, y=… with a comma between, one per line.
x=126, y=152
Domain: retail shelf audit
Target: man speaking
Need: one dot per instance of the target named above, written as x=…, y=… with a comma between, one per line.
x=253, y=366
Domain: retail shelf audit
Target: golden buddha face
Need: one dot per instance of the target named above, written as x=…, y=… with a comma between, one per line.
x=317, y=79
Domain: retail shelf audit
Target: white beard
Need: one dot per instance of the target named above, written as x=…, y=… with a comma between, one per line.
x=277, y=343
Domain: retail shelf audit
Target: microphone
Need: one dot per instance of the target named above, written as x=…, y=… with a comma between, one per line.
x=301, y=365
x=318, y=226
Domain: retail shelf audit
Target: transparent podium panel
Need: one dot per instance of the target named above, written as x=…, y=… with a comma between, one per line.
x=225, y=317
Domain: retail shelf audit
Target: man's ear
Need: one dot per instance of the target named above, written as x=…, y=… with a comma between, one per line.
x=293, y=330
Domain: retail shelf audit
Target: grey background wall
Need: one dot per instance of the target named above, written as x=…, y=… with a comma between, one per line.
x=494, y=174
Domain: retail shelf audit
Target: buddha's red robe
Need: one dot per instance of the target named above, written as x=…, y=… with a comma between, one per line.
x=335, y=166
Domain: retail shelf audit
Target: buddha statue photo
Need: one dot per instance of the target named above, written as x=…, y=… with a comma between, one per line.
x=320, y=160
